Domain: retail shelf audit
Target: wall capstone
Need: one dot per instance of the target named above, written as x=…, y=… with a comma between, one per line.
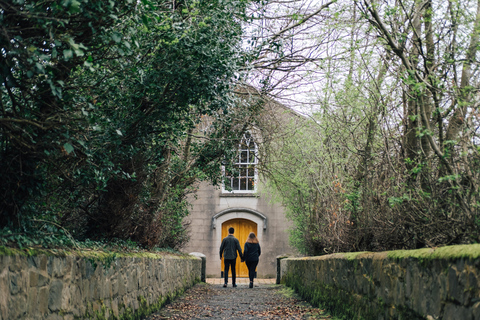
x=204, y=264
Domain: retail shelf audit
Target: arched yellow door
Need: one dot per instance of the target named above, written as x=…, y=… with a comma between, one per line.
x=242, y=227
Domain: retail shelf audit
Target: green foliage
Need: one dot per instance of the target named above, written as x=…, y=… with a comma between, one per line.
x=53, y=238
x=47, y=237
x=101, y=105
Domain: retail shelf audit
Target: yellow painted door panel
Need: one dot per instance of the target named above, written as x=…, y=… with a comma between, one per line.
x=242, y=227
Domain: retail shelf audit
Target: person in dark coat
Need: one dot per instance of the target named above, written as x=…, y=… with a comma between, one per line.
x=251, y=254
x=228, y=249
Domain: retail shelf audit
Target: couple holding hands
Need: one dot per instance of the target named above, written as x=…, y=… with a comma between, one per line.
x=251, y=252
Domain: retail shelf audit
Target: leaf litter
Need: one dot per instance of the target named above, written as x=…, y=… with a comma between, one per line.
x=206, y=301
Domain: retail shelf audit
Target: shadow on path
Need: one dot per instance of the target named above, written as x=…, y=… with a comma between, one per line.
x=264, y=301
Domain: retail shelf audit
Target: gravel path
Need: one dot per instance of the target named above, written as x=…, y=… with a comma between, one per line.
x=264, y=301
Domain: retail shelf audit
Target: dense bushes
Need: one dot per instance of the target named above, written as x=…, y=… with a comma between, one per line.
x=100, y=102
x=388, y=207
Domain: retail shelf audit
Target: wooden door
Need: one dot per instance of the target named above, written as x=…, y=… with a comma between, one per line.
x=242, y=227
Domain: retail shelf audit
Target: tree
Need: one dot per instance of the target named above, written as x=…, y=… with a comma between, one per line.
x=41, y=44
x=120, y=157
x=397, y=149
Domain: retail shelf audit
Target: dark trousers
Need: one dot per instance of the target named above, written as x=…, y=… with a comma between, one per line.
x=251, y=265
x=228, y=263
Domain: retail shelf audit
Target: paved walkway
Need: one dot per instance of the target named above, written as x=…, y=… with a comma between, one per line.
x=240, y=281
x=265, y=301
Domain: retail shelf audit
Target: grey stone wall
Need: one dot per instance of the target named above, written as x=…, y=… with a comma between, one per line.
x=73, y=287
x=417, y=285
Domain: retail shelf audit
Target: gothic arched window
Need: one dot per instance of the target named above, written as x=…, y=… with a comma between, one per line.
x=243, y=178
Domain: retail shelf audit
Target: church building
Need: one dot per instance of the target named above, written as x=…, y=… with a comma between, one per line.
x=242, y=203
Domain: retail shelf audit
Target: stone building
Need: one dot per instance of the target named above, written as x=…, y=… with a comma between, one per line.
x=245, y=205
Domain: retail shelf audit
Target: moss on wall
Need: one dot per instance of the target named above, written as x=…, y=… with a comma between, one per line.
x=336, y=301
x=350, y=255
x=346, y=305
x=450, y=253
x=144, y=309
x=402, y=284
x=30, y=251
x=95, y=257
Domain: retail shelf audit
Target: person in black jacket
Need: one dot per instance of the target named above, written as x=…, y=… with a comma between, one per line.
x=228, y=249
x=251, y=253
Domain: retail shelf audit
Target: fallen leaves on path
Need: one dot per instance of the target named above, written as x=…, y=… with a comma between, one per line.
x=205, y=301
